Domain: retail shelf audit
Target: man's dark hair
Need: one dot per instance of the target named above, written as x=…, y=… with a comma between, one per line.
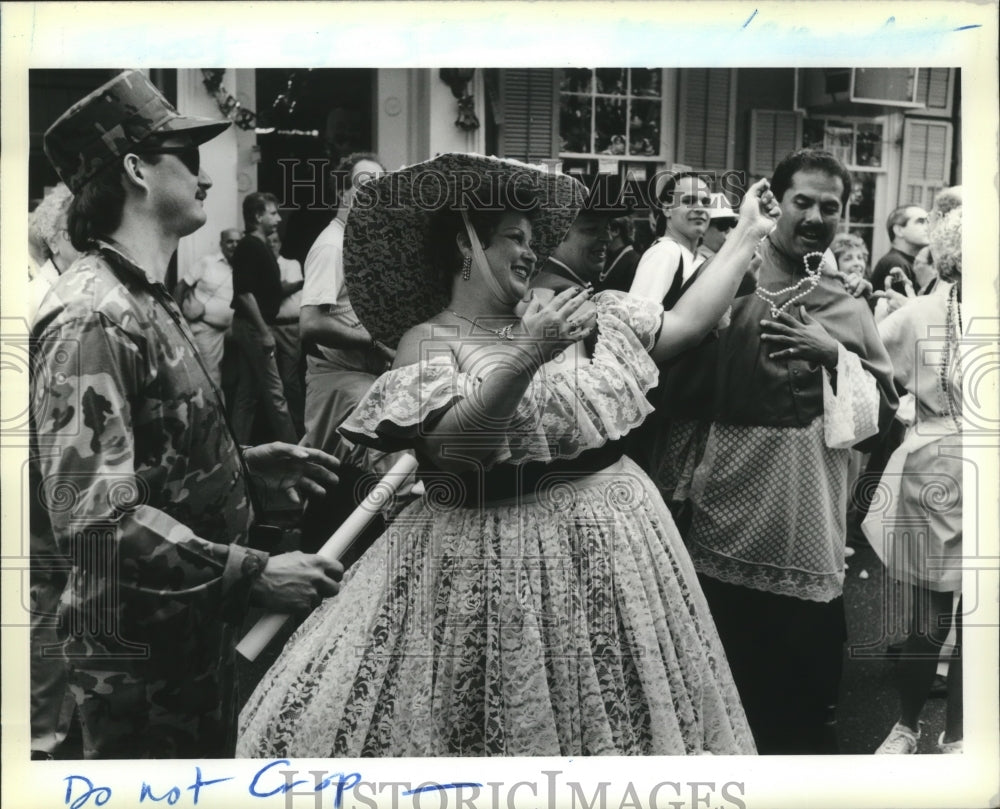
x=666, y=198
x=340, y=177
x=809, y=160
x=623, y=228
x=96, y=211
x=897, y=217
x=254, y=205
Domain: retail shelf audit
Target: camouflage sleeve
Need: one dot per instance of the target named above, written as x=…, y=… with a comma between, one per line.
x=84, y=378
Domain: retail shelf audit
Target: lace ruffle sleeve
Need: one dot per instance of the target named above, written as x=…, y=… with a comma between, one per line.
x=404, y=401
x=850, y=415
x=563, y=411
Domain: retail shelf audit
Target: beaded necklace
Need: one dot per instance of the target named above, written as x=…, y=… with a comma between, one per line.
x=575, y=276
x=809, y=283
x=953, y=318
x=605, y=273
x=506, y=333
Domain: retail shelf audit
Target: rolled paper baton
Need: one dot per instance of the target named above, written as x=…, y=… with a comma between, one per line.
x=263, y=632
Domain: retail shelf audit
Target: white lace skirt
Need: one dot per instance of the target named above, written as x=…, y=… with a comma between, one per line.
x=567, y=624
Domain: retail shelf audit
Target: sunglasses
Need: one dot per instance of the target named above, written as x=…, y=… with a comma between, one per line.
x=188, y=155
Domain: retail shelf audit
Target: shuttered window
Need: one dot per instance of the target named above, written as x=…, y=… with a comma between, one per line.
x=926, y=165
x=934, y=88
x=705, y=125
x=527, y=122
x=773, y=134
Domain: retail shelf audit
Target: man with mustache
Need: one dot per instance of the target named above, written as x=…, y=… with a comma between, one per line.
x=796, y=379
x=139, y=489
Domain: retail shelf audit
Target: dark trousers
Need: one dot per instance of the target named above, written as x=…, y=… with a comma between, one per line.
x=258, y=381
x=786, y=655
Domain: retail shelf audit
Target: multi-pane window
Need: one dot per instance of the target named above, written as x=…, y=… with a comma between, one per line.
x=859, y=146
x=610, y=111
x=854, y=143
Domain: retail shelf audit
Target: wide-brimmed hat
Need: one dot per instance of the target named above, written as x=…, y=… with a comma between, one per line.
x=112, y=121
x=389, y=259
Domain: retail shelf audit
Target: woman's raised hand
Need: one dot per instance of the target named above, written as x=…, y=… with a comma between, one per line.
x=560, y=321
x=759, y=211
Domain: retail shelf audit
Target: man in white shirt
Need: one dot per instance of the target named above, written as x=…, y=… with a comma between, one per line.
x=345, y=360
x=342, y=360
x=205, y=294
x=286, y=331
x=681, y=221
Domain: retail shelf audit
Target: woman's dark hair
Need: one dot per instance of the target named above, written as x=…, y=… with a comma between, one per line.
x=447, y=223
x=623, y=228
x=809, y=160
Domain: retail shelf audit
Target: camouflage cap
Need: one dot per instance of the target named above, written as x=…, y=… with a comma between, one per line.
x=112, y=121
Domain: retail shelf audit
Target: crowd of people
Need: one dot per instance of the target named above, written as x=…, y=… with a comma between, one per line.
x=637, y=475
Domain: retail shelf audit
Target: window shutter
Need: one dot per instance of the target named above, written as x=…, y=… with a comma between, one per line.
x=926, y=165
x=933, y=84
x=530, y=116
x=773, y=134
x=705, y=121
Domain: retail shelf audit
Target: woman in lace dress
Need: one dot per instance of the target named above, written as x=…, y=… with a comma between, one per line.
x=538, y=599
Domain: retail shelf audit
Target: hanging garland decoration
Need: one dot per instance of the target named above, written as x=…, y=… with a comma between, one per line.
x=232, y=109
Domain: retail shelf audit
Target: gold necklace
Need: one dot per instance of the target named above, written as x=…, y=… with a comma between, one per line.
x=506, y=333
x=811, y=278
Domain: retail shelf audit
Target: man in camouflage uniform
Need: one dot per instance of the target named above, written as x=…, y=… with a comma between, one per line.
x=139, y=481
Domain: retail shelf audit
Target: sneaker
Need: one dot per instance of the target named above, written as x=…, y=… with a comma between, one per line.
x=948, y=747
x=900, y=741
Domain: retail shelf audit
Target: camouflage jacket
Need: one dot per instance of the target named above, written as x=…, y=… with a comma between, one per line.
x=143, y=485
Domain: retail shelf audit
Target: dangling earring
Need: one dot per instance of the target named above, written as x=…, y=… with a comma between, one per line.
x=466, y=268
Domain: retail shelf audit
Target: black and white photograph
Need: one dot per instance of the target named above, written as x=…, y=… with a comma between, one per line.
x=375, y=426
